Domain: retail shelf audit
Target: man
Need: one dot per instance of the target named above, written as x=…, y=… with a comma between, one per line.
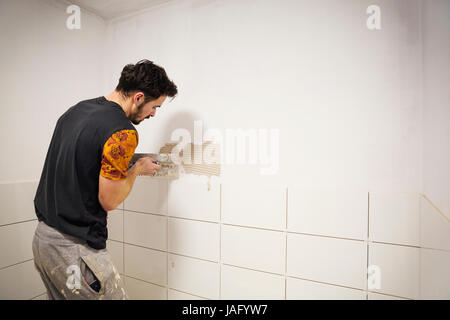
x=84, y=176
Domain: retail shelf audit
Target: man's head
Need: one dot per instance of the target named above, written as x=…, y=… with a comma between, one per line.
x=144, y=86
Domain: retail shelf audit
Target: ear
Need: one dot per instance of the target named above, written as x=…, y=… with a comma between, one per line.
x=138, y=97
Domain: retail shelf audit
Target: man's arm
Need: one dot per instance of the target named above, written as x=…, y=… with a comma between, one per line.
x=115, y=180
x=111, y=193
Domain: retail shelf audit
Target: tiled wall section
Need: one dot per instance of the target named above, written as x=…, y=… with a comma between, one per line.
x=221, y=241
x=18, y=277
x=181, y=240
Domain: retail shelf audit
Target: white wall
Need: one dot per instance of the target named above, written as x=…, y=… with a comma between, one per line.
x=345, y=99
x=435, y=213
x=347, y=102
x=436, y=103
x=46, y=68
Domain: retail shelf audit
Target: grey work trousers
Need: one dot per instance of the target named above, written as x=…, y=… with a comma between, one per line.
x=67, y=266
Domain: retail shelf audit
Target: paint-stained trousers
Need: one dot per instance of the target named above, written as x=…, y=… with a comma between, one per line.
x=70, y=269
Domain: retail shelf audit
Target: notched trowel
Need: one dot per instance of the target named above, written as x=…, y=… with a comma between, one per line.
x=168, y=169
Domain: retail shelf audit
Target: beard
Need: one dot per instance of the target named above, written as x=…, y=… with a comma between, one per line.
x=136, y=115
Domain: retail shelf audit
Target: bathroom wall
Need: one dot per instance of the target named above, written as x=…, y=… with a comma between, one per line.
x=345, y=216
x=361, y=131
x=184, y=239
x=435, y=230
x=344, y=99
x=436, y=103
x=46, y=68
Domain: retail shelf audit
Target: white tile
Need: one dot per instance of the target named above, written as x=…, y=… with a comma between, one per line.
x=331, y=212
x=379, y=296
x=298, y=289
x=336, y=261
x=140, y=290
x=394, y=217
x=254, y=248
x=115, y=225
x=148, y=195
x=244, y=284
x=434, y=228
x=146, y=264
x=194, y=276
x=190, y=196
x=254, y=204
x=177, y=295
x=115, y=249
x=16, y=242
x=17, y=202
x=145, y=230
x=194, y=238
x=21, y=281
x=435, y=276
x=398, y=269
x=41, y=297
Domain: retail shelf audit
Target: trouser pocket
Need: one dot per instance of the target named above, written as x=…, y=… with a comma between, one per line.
x=91, y=275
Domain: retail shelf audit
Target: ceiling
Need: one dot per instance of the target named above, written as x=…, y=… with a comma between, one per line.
x=110, y=9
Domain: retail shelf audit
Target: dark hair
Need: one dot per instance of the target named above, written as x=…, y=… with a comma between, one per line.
x=147, y=77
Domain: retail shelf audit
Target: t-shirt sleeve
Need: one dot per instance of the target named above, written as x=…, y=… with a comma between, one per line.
x=117, y=153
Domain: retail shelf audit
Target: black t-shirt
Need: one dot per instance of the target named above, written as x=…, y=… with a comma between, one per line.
x=67, y=195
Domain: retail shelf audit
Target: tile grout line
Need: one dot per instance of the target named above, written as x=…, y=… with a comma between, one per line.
x=15, y=264
x=285, y=246
x=167, y=261
x=312, y=235
x=368, y=215
x=254, y=227
x=163, y=286
x=366, y=285
x=18, y=222
x=262, y=271
x=177, y=217
x=20, y=182
x=327, y=283
x=220, y=241
x=435, y=208
x=256, y=270
x=421, y=95
x=146, y=281
x=206, y=260
x=397, y=244
x=294, y=277
x=389, y=295
x=420, y=240
x=38, y=296
x=173, y=217
x=283, y=230
x=191, y=294
x=167, y=244
x=170, y=252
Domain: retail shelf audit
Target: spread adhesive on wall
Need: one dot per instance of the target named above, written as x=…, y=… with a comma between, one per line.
x=201, y=160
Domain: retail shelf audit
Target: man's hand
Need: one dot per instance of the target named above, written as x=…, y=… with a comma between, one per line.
x=146, y=166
